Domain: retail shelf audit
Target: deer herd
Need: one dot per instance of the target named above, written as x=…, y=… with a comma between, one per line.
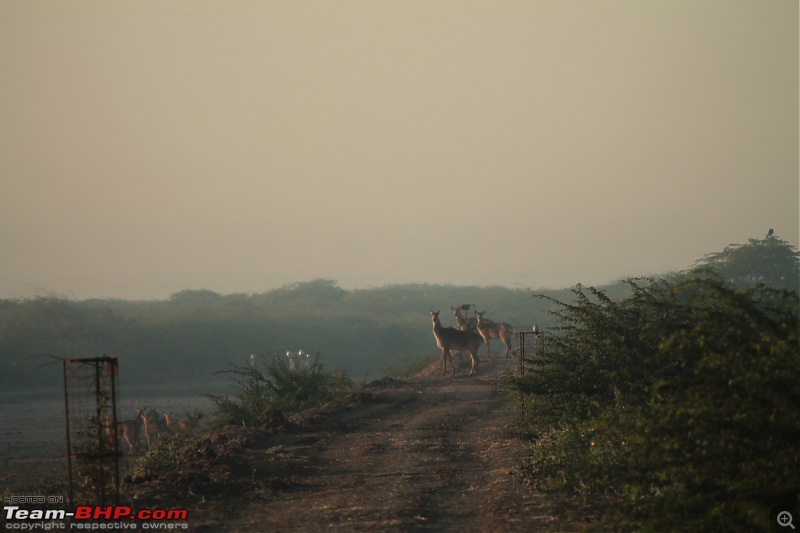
x=471, y=333
x=147, y=424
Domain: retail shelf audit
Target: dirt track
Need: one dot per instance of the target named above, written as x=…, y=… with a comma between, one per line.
x=432, y=453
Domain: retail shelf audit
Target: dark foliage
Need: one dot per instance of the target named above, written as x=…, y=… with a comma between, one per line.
x=769, y=261
x=672, y=409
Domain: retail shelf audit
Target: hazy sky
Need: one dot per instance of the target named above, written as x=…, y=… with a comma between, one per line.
x=148, y=147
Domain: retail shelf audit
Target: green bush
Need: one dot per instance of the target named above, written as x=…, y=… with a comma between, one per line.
x=674, y=408
x=162, y=455
x=269, y=383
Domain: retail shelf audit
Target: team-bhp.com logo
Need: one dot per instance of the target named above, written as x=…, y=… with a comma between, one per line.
x=91, y=517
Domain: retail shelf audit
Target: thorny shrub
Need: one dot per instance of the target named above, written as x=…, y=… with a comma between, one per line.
x=674, y=408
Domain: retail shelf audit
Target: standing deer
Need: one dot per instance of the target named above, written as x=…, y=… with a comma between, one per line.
x=495, y=330
x=131, y=430
x=127, y=430
x=174, y=424
x=464, y=324
x=451, y=339
x=151, y=423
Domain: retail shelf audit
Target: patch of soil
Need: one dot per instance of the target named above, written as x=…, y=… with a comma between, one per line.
x=430, y=453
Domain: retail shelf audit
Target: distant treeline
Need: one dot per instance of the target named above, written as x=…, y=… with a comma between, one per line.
x=184, y=340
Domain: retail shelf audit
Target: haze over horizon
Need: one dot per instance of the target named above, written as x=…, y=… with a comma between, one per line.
x=150, y=147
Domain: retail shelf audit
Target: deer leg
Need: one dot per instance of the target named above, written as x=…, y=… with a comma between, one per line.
x=445, y=353
x=474, y=356
x=127, y=438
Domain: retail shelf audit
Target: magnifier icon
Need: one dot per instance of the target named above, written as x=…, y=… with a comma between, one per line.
x=785, y=519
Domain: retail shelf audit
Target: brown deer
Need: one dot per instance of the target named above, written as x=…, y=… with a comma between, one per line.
x=451, y=339
x=494, y=330
x=151, y=423
x=174, y=424
x=127, y=430
x=131, y=432
x=464, y=324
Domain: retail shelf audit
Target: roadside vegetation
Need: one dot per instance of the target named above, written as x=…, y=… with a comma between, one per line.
x=674, y=408
x=271, y=387
x=270, y=383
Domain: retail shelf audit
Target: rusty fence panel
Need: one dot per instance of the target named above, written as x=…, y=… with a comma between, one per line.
x=90, y=405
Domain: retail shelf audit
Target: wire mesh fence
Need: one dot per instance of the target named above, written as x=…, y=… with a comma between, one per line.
x=90, y=404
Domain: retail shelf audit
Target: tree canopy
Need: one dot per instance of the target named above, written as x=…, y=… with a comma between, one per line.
x=769, y=261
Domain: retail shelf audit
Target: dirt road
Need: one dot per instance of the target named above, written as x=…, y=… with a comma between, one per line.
x=431, y=453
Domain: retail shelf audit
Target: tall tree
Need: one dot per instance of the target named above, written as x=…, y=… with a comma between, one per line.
x=769, y=261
